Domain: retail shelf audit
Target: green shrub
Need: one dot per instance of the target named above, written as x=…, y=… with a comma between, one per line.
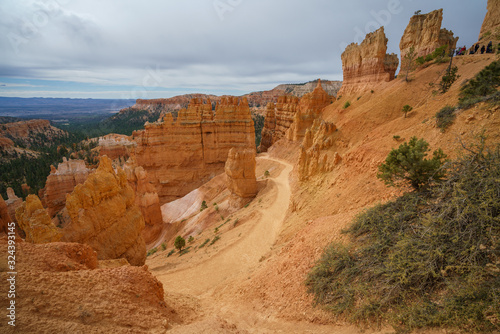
x=408, y=165
x=179, y=243
x=425, y=259
x=347, y=104
x=482, y=87
x=214, y=240
x=163, y=246
x=171, y=252
x=152, y=251
x=191, y=239
x=445, y=117
x=266, y=173
x=203, y=206
x=396, y=137
x=185, y=251
x=204, y=243
x=406, y=109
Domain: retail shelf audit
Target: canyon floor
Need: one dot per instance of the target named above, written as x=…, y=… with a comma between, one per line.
x=202, y=286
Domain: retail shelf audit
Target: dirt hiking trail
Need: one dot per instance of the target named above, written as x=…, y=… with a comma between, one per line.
x=201, y=289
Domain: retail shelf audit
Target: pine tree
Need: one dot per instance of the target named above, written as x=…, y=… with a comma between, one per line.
x=408, y=165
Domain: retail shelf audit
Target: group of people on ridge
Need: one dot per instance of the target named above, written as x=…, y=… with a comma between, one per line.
x=476, y=49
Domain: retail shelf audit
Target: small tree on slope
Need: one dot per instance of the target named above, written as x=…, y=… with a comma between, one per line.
x=179, y=243
x=408, y=164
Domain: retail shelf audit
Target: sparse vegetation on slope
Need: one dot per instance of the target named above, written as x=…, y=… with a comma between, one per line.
x=428, y=258
x=445, y=117
x=482, y=87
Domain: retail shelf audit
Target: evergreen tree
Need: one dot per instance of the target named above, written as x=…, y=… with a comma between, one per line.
x=408, y=164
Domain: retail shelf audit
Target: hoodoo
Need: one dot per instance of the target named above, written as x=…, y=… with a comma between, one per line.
x=104, y=215
x=367, y=64
x=425, y=35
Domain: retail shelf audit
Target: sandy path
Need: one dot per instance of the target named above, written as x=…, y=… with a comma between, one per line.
x=241, y=256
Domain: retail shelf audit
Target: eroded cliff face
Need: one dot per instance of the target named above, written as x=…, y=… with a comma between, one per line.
x=315, y=156
x=146, y=198
x=367, y=64
x=62, y=181
x=424, y=33
x=309, y=109
x=4, y=216
x=35, y=221
x=13, y=202
x=104, y=216
x=180, y=155
x=175, y=103
x=269, y=127
x=490, y=30
x=116, y=146
x=279, y=118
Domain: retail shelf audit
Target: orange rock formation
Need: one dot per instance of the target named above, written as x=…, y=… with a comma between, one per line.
x=314, y=155
x=61, y=182
x=367, y=64
x=4, y=216
x=116, y=146
x=269, y=127
x=424, y=33
x=279, y=117
x=179, y=156
x=13, y=202
x=310, y=107
x=240, y=171
x=490, y=30
x=104, y=215
x=146, y=198
x=35, y=221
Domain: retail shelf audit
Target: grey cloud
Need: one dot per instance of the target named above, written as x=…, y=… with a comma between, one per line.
x=195, y=45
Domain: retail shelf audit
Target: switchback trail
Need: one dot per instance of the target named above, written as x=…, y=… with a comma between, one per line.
x=243, y=254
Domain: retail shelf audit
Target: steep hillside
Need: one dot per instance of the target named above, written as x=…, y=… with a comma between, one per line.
x=325, y=204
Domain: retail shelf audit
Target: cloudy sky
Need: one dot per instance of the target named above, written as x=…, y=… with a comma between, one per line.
x=161, y=48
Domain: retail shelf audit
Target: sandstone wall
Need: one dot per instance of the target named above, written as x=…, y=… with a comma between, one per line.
x=4, y=216
x=180, y=155
x=116, y=146
x=309, y=109
x=367, y=64
x=269, y=127
x=13, y=202
x=279, y=118
x=62, y=181
x=146, y=198
x=424, y=33
x=315, y=156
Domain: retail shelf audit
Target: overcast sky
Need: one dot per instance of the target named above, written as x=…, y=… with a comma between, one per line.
x=161, y=48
